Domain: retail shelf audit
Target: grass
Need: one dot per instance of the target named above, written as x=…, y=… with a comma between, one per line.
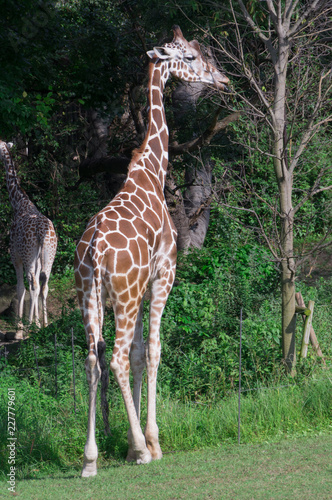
x=294, y=469
x=50, y=438
x=266, y=414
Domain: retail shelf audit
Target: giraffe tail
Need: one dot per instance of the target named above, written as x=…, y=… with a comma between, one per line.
x=101, y=344
x=43, y=276
x=42, y=279
x=104, y=379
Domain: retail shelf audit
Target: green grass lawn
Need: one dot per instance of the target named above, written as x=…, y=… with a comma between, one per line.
x=296, y=469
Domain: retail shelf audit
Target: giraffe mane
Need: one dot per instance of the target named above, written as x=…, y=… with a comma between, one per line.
x=137, y=152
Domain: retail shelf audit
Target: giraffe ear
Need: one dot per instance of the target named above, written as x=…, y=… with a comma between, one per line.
x=151, y=54
x=162, y=53
x=10, y=145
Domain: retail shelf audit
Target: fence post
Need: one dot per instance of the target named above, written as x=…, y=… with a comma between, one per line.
x=72, y=348
x=306, y=330
x=55, y=367
x=313, y=338
x=240, y=356
x=4, y=352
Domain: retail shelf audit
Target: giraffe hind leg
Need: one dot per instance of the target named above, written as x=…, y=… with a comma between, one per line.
x=95, y=368
x=93, y=373
x=137, y=364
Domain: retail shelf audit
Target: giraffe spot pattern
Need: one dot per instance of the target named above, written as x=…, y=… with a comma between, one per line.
x=132, y=242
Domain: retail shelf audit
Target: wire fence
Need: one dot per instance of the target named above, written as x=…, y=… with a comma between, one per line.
x=52, y=370
x=4, y=353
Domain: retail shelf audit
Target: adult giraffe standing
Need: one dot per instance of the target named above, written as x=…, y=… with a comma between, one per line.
x=126, y=246
x=33, y=244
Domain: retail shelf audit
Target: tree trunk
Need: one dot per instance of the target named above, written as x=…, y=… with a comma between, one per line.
x=197, y=176
x=288, y=318
x=285, y=185
x=175, y=205
x=287, y=276
x=195, y=198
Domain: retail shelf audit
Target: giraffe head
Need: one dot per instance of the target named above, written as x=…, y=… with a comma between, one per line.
x=187, y=62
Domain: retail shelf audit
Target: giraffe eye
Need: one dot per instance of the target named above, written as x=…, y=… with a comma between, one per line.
x=190, y=57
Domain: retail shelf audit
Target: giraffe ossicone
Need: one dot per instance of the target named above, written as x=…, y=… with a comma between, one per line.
x=33, y=244
x=126, y=246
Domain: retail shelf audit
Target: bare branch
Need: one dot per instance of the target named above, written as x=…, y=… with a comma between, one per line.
x=272, y=10
x=289, y=9
x=319, y=247
x=320, y=190
x=267, y=41
x=251, y=22
x=204, y=139
x=312, y=128
x=305, y=18
x=314, y=190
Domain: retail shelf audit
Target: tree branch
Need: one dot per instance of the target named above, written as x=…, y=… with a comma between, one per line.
x=312, y=128
x=305, y=18
x=314, y=190
x=267, y=41
x=319, y=247
x=205, y=138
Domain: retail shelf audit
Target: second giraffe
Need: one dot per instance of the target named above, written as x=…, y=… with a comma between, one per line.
x=126, y=246
x=33, y=244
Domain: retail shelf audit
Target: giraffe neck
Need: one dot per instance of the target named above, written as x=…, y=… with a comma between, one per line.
x=154, y=150
x=17, y=196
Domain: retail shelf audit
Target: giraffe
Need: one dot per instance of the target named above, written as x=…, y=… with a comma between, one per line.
x=126, y=246
x=33, y=244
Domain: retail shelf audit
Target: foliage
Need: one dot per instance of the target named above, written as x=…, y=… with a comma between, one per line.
x=198, y=374
x=254, y=197
x=60, y=60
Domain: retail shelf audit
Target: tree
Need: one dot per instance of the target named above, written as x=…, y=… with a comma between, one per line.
x=286, y=60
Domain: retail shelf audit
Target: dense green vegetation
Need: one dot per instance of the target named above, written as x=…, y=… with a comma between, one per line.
x=198, y=375
x=60, y=61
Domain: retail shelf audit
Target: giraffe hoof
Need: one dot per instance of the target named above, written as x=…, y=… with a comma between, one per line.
x=156, y=454
x=153, y=445
x=89, y=469
x=143, y=458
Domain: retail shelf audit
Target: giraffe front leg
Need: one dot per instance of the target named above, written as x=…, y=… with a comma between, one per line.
x=152, y=362
x=137, y=363
x=90, y=449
